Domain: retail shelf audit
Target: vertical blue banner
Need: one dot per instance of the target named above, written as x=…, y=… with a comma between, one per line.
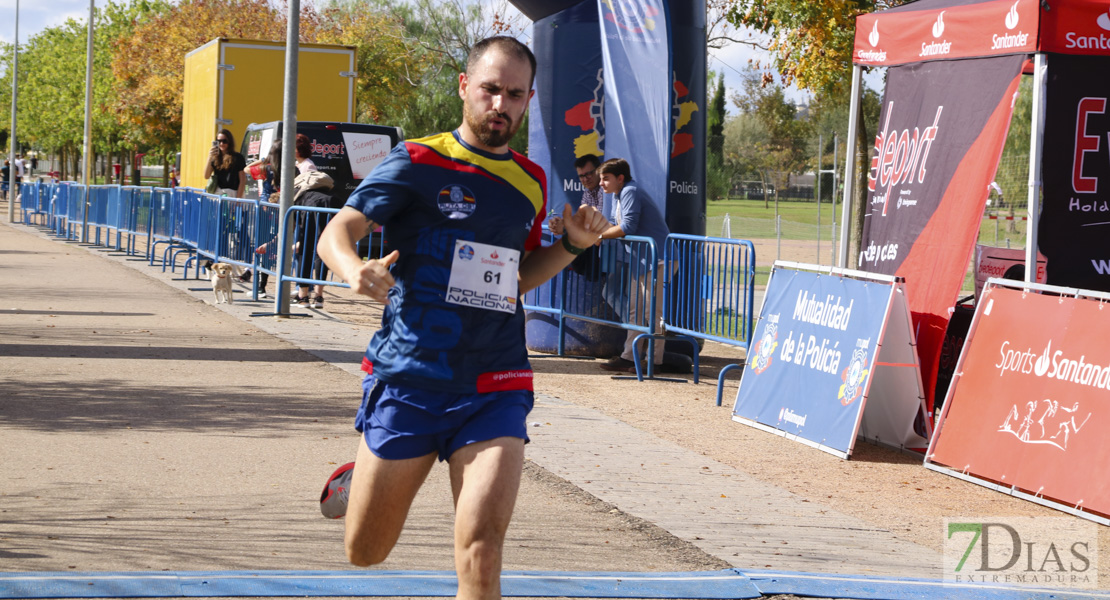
x=815, y=350
x=566, y=119
x=635, y=40
x=686, y=183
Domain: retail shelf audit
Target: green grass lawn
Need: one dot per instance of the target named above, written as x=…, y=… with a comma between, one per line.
x=797, y=215
x=751, y=219
x=797, y=212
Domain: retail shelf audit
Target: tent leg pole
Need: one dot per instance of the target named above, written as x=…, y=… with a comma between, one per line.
x=849, y=168
x=1036, y=150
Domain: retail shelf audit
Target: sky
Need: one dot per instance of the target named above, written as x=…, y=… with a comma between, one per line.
x=37, y=15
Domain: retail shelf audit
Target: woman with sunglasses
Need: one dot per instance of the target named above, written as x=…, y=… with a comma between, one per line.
x=228, y=166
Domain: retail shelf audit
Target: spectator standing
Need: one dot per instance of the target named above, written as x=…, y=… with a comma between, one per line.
x=5, y=178
x=227, y=165
x=304, y=155
x=633, y=213
x=311, y=189
x=34, y=164
x=263, y=169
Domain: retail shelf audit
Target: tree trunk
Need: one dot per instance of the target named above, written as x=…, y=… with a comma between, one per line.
x=763, y=182
x=136, y=172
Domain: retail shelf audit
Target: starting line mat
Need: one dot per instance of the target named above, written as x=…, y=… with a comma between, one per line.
x=729, y=583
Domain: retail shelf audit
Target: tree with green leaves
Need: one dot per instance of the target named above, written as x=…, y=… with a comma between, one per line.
x=149, y=64
x=784, y=151
x=441, y=33
x=811, y=42
x=717, y=177
x=387, y=62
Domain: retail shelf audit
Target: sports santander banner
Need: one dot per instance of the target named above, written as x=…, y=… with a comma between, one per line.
x=1074, y=230
x=1032, y=406
x=942, y=128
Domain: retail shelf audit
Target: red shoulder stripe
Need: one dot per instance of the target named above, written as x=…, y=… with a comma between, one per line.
x=423, y=155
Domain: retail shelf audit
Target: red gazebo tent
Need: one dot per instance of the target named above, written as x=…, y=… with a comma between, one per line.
x=954, y=71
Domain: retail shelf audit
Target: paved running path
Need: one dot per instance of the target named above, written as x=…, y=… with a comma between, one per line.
x=192, y=392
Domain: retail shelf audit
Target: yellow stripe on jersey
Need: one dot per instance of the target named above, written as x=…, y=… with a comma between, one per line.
x=509, y=171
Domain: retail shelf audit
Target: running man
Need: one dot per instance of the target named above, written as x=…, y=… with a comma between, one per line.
x=447, y=374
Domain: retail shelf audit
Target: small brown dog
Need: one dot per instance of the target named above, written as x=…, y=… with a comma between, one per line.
x=220, y=275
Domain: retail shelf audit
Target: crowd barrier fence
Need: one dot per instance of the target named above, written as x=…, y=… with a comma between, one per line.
x=710, y=293
x=708, y=282
x=614, y=286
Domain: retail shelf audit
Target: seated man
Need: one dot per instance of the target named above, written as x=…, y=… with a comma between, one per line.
x=633, y=213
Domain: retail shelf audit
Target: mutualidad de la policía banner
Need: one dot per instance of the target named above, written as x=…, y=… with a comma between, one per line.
x=815, y=348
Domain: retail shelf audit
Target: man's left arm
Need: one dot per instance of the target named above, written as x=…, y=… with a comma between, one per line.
x=581, y=231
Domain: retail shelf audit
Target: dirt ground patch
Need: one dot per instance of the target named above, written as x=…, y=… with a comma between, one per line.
x=877, y=485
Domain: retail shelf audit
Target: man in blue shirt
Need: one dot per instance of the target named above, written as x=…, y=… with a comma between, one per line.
x=447, y=372
x=633, y=213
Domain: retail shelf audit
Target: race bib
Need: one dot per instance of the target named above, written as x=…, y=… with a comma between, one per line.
x=484, y=276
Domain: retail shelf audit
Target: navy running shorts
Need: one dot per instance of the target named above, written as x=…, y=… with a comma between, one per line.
x=401, y=422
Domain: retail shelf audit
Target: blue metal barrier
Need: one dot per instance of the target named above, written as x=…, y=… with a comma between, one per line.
x=265, y=244
x=134, y=216
x=76, y=197
x=33, y=204
x=59, y=209
x=165, y=222
x=190, y=221
x=103, y=203
x=307, y=223
x=710, y=295
x=628, y=268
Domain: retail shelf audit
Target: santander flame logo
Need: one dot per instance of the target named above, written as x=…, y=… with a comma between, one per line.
x=873, y=37
x=938, y=27
x=1012, y=16
x=1041, y=366
x=1104, y=20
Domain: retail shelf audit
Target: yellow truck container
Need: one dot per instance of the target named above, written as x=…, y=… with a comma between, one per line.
x=231, y=83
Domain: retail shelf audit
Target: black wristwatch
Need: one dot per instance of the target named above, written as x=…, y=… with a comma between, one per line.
x=575, y=250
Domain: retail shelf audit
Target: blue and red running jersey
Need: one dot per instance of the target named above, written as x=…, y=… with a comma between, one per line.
x=428, y=193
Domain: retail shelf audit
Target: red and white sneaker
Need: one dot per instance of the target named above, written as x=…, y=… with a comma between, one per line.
x=333, y=500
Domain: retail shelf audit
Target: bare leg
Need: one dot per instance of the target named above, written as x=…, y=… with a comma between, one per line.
x=485, y=478
x=382, y=492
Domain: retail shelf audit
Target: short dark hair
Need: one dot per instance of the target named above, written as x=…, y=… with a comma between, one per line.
x=587, y=159
x=506, y=44
x=616, y=166
x=304, y=148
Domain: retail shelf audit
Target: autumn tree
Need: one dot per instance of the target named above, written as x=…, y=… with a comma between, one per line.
x=811, y=42
x=441, y=33
x=784, y=151
x=389, y=65
x=149, y=64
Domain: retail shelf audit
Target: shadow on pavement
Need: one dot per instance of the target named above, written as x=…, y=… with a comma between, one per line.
x=110, y=404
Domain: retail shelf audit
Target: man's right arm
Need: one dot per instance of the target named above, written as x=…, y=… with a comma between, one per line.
x=337, y=249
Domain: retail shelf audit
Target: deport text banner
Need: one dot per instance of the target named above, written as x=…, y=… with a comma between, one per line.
x=809, y=369
x=942, y=128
